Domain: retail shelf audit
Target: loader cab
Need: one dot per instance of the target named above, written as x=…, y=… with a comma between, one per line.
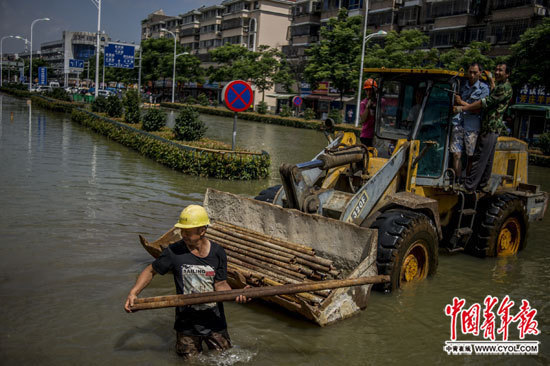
x=417, y=106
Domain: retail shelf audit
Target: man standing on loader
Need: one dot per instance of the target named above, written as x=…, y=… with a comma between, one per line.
x=466, y=125
x=198, y=265
x=493, y=108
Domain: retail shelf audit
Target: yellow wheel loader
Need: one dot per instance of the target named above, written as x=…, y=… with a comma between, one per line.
x=386, y=209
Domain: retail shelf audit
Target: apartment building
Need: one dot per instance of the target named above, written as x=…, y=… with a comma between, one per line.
x=449, y=23
x=249, y=23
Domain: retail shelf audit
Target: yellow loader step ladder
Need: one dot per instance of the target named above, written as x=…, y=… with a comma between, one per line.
x=466, y=219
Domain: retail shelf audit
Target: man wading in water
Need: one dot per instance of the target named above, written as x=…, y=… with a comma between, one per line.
x=199, y=265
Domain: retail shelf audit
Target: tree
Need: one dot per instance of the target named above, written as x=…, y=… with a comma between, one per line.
x=530, y=57
x=36, y=63
x=457, y=59
x=404, y=49
x=158, y=61
x=234, y=62
x=336, y=57
x=268, y=68
x=263, y=68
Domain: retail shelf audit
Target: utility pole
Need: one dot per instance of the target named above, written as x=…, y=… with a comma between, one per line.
x=97, y=3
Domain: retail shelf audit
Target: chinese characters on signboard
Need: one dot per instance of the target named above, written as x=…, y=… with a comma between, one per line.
x=533, y=95
x=119, y=55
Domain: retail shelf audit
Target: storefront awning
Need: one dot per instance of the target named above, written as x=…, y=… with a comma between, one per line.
x=319, y=97
x=280, y=96
x=532, y=107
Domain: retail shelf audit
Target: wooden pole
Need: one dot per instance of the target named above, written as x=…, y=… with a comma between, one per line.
x=231, y=295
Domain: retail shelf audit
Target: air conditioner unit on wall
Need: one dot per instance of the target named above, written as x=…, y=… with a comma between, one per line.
x=491, y=39
x=541, y=11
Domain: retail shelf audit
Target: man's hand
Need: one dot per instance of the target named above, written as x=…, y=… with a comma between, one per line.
x=490, y=79
x=129, y=303
x=241, y=299
x=457, y=109
x=458, y=100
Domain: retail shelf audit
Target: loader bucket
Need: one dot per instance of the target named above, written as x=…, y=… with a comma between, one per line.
x=270, y=245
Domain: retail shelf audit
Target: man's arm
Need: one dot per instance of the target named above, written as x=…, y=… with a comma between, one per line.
x=224, y=286
x=475, y=107
x=143, y=280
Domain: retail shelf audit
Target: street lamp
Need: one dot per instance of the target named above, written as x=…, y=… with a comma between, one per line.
x=365, y=39
x=174, y=70
x=2, y=54
x=30, y=60
x=97, y=4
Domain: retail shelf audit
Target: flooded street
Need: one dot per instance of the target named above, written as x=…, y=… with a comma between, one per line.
x=73, y=204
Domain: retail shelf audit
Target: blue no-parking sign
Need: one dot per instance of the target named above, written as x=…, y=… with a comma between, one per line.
x=237, y=96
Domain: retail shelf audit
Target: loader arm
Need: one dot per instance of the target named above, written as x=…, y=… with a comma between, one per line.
x=298, y=179
x=362, y=203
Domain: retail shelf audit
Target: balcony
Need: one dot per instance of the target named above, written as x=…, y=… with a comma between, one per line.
x=450, y=8
x=505, y=4
x=307, y=18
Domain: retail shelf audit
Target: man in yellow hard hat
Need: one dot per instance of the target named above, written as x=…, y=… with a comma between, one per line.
x=198, y=265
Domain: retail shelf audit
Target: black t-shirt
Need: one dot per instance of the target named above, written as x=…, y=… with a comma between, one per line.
x=195, y=275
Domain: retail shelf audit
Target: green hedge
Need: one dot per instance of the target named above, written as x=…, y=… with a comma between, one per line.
x=540, y=160
x=16, y=92
x=265, y=118
x=53, y=104
x=189, y=160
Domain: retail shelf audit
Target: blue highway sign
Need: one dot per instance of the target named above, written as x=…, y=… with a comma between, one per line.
x=42, y=76
x=76, y=64
x=119, y=55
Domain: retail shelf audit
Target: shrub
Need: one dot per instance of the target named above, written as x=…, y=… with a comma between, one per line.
x=60, y=94
x=176, y=156
x=285, y=111
x=544, y=143
x=336, y=115
x=131, y=106
x=203, y=99
x=188, y=126
x=154, y=120
x=114, y=106
x=261, y=108
x=190, y=100
x=309, y=114
x=99, y=105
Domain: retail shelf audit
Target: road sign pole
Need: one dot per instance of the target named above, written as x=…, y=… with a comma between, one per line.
x=234, y=132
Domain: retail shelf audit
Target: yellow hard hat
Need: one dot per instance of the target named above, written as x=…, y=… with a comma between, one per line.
x=193, y=216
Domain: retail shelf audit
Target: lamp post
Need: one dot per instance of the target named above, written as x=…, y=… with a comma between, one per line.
x=2, y=53
x=30, y=59
x=97, y=4
x=174, y=69
x=365, y=40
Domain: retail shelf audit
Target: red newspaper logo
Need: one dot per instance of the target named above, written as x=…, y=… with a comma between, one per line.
x=471, y=318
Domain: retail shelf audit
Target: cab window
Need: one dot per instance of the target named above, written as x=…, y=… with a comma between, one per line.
x=434, y=127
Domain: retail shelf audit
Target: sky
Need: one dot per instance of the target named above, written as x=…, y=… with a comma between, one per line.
x=120, y=19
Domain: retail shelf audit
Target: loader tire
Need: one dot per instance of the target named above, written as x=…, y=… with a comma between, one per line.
x=407, y=247
x=502, y=227
x=268, y=194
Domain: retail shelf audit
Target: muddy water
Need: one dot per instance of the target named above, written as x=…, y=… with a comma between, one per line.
x=72, y=204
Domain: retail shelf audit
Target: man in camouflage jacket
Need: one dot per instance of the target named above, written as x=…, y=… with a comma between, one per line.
x=492, y=109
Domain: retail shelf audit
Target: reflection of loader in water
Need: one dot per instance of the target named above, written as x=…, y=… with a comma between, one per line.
x=388, y=214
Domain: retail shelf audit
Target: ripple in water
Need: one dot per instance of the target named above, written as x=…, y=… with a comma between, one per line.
x=227, y=358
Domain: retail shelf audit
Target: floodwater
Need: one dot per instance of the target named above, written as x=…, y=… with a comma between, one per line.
x=72, y=206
